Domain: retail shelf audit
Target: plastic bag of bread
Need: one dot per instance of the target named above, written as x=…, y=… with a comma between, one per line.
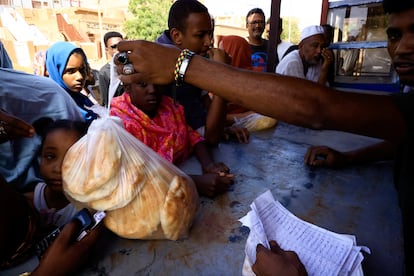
x=255, y=122
x=145, y=196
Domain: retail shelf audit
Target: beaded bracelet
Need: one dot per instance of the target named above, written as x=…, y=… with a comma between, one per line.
x=181, y=66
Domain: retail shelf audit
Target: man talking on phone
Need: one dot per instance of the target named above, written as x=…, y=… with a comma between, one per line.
x=312, y=60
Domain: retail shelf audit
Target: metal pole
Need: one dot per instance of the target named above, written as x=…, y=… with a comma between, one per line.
x=101, y=32
x=274, y=27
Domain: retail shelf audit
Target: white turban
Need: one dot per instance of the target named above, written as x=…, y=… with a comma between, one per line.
x=310, y=31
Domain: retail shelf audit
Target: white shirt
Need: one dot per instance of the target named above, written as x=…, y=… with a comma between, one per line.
x=51, y=216
x=291, y=65
x=282, y=48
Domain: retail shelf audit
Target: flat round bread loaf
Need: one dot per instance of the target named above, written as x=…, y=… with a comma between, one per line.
x=129, y=183
x=106, y=161
x=140, y=219
x=179, y=208
x=88, y=167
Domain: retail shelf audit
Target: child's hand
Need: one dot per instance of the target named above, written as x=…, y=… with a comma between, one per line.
x=218, y=168
x=241, y=134
x=211, y=184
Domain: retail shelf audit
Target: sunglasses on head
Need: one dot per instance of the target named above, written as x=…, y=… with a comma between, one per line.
x=114, y=46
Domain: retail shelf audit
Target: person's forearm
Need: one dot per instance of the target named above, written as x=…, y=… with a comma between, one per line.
x=299, y=101
x=323, y=77
x=295, y=101
x=378, y=152
x=216, y=120
x=202, y=154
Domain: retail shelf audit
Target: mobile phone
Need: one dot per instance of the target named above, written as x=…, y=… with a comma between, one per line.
x=43, y=244
x=85, y=218
x=90, y=222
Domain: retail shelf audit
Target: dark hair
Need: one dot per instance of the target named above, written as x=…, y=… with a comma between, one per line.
x=109, y=35
x=329, y=32
x=79, y=126
x=255, y=10
x=393, y=6
x=280, y=23
x=181, y=10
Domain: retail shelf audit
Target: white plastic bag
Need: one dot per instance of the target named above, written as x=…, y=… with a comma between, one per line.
x=255, y=122
x=145, y=196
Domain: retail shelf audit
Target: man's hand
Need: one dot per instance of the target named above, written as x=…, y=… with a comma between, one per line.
x=322, y=156
x=145, y=57
x=328, y=58
x=277, y=262
x=66, y=255
x=12, y=128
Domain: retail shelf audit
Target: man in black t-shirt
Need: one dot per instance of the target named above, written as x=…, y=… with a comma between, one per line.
x=255, y=24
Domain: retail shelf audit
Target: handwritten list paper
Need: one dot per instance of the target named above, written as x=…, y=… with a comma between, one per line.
x=321, y=251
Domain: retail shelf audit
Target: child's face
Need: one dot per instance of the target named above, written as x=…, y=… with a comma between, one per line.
x=74, y=75
x=54, y=148
x=146, y=97
x=197, y=35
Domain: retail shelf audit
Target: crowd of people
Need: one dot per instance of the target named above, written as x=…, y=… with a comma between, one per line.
x=185, y=93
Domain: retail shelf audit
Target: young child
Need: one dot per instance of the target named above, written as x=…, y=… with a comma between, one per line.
x=67, y=65
x=190, y=26
x=160, y=124
x=48, y=198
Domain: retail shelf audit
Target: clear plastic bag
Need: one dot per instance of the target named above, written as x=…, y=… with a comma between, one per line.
x=145, y=196
x=255, y=122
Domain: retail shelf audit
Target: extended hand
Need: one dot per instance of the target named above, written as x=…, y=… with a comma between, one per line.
x=211, y=184
x=241, y=134
x=12, y=128
x=277, y=262
x=144, y=56
x=66, y=255
x=322, y=156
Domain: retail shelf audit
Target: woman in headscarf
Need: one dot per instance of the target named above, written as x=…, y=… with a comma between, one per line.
x=67, y=65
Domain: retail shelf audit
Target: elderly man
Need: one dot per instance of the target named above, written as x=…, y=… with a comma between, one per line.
x=312, y=60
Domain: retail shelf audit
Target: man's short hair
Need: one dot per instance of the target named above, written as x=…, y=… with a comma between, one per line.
x=393, y=6
x=181, y=10
x=109, y=35
x=255, y=10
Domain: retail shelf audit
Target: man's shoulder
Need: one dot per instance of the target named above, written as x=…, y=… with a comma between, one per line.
x=291, y=57
x=165, y=38
x=284, y=44
x=290, y=62
x=104, y=68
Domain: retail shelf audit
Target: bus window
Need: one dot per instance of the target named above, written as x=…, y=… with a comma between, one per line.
x=362, y=62
x=365, y=22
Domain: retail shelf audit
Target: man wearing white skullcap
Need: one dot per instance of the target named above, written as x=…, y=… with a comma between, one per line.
x=312, y=60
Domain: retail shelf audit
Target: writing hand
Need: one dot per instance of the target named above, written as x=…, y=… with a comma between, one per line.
x=277, y=262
